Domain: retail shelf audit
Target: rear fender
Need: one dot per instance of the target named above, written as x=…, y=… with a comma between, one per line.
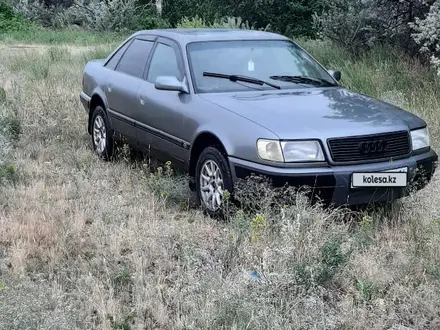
x=98, y=97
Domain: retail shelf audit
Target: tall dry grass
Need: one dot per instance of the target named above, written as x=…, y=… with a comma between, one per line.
x=86, y=244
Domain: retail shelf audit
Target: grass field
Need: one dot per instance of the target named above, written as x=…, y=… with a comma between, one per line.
x=86, y=244
x=39, y=35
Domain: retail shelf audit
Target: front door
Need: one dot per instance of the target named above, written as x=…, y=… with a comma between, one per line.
x=123, y=84
x=160, y=121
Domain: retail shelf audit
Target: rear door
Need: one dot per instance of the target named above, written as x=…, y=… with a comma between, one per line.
x=161, y=118
x=123, y=83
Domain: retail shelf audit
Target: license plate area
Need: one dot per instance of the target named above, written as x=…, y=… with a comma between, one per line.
x=395, y=178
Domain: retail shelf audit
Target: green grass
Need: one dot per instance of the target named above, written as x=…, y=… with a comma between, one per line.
x=62, y=37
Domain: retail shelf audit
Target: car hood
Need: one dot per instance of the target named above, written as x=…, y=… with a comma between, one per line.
x=316, y=112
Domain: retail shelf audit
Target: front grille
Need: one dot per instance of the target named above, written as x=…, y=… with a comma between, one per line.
x=348, y=149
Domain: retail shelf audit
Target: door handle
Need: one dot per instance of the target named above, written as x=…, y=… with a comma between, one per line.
x=141, y=100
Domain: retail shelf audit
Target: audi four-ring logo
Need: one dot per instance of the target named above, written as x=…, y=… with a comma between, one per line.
x=373, y=147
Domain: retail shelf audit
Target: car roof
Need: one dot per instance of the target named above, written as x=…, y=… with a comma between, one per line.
x=187, y=35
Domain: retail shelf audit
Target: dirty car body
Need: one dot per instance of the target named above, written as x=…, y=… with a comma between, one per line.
x=226, y=104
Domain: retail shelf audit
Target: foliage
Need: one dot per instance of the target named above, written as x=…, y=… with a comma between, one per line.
x=8, y=173
x=10, y=130
x=210, y=10
x=195, y=22
x=427, y=35
x=258, y=227
x=11, y=21
x=292, y=17
x=236, y=23
x=354, y=24
x=2, y=95
x=111, y=15
x=38, y=11
x=224, y=22
x=357, y=24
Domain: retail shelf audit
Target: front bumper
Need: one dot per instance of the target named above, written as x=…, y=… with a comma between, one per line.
x=332, y=184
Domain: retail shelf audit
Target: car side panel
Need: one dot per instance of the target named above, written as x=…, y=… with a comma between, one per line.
x=160, y=122
x=237, y=134
x=95, y=76
x=101, y=94
x=121, y=93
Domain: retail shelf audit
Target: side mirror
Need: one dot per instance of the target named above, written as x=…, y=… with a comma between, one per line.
x=171, y=83
x=335, y=74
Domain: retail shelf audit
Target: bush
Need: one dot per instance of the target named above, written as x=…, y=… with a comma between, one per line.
x=38, y=11
x=10, y=130
x=292, y=17
x=224, y=22
x=11, y=21
x=10, y=127
x=175, y=11
x=236, y=23
x=2, y=96
x=111, y=15
x=357, y=24
x=427, y=35
x=193, y=22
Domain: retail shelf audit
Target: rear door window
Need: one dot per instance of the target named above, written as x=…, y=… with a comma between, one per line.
x=113, y=62
x=135, y=58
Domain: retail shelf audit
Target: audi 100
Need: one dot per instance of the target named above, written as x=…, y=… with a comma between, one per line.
x=225, y=104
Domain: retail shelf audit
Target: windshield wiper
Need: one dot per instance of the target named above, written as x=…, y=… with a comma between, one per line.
x=236, y=78
x=304, y=80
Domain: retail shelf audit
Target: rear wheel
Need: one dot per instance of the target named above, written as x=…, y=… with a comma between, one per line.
x=213, y=178
x=102, y=140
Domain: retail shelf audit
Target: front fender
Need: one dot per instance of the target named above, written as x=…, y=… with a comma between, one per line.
x=239, y=138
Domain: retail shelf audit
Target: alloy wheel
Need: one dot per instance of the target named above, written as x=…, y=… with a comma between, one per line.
x=211, y=185
x=99, y=134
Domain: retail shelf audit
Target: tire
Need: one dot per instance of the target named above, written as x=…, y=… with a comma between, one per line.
x=212, y=158
x=103, y=143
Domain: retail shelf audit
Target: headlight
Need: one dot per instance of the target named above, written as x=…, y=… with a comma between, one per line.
x=302, y=151
x=270, y=150
x=290, y=151
x=420, y=138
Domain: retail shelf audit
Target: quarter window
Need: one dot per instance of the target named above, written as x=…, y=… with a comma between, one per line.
x=135, y=58
x=163, y=63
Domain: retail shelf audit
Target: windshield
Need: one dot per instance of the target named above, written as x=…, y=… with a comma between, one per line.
x=258, y=59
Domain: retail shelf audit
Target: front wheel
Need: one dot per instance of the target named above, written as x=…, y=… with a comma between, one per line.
x=101, y=134
x=213, y=178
